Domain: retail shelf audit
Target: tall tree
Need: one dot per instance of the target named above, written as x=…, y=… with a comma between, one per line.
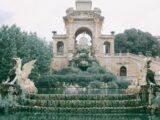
x=27, y=46
x=136, y=41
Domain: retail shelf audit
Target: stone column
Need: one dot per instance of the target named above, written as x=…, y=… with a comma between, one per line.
x=71, y=39
x=96, y=42
x=144, y=95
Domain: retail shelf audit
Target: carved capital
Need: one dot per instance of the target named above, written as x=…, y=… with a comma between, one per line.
x=71, y=20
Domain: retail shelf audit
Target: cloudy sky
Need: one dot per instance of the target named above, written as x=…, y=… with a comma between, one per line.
x=43, y=16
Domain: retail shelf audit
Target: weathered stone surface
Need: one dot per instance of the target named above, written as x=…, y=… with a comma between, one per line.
x=21, y=79
x=88, y=20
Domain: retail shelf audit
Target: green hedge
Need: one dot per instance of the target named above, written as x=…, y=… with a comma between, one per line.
x=97, y=70
x=94, y=110
x=81, y=97
x=82, y=103
x=82, y=80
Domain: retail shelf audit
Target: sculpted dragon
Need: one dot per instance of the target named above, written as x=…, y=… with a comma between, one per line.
x=21, y=76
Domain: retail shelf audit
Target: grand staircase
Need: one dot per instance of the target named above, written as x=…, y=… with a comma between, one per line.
x=81, y=103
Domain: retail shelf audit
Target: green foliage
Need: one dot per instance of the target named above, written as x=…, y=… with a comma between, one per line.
x=96, y=85
x=68, y=70
x=82, y=79
x=123, y=83
x=27, y=46
x=82, y=59
x=81, y=97
x=156, y=100
x=81, y=103
x=136, y=41
x=96, y=70
x=8, y=95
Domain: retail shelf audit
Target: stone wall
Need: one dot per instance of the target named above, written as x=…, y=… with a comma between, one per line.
x=133, y=64
x=84, y=19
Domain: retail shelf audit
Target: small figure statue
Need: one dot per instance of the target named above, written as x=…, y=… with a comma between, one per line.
x=147, y=74
x=150, y=74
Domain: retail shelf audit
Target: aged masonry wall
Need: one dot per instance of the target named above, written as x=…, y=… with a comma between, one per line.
x=84, y=19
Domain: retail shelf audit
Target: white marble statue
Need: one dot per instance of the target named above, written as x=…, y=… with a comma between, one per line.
x=22, y=74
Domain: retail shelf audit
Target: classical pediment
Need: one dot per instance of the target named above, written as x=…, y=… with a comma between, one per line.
x=84, y=15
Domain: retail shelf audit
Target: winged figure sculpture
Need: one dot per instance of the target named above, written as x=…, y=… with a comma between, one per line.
x=22, y=74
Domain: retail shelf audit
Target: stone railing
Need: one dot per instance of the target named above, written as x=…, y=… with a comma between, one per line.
x=141, y=57
x=134, y=56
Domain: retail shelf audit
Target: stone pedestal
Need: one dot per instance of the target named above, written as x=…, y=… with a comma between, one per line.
x=144, y=94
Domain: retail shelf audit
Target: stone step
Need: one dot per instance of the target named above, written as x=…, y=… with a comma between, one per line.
x=93, y=110
x=77, y=116
x=82, y=103
x=82, y=96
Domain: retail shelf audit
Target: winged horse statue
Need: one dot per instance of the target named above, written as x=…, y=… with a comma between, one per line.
x=22, y=74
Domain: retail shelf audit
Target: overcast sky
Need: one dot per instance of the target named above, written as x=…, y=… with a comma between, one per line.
x=43, y=16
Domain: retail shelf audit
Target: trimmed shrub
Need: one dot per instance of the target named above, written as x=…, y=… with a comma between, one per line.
x=68, y=70
x=123, y=84
x=96, y=70
x=83, y=80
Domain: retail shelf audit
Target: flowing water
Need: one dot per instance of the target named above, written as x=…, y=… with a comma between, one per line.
x=78, y=90
x=34, y=116
x=53, y=116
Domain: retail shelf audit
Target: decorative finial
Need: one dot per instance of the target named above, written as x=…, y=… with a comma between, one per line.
x=112, y=32
x=54, y=32
x=83, y=5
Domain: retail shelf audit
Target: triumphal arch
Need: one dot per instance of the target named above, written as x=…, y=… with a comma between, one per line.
x=84, y=25
x=83, y=20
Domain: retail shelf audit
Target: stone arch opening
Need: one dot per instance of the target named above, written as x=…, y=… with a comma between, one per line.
x=60, y=48
x=83, y=36
x=106, y=47
x=123, y=71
